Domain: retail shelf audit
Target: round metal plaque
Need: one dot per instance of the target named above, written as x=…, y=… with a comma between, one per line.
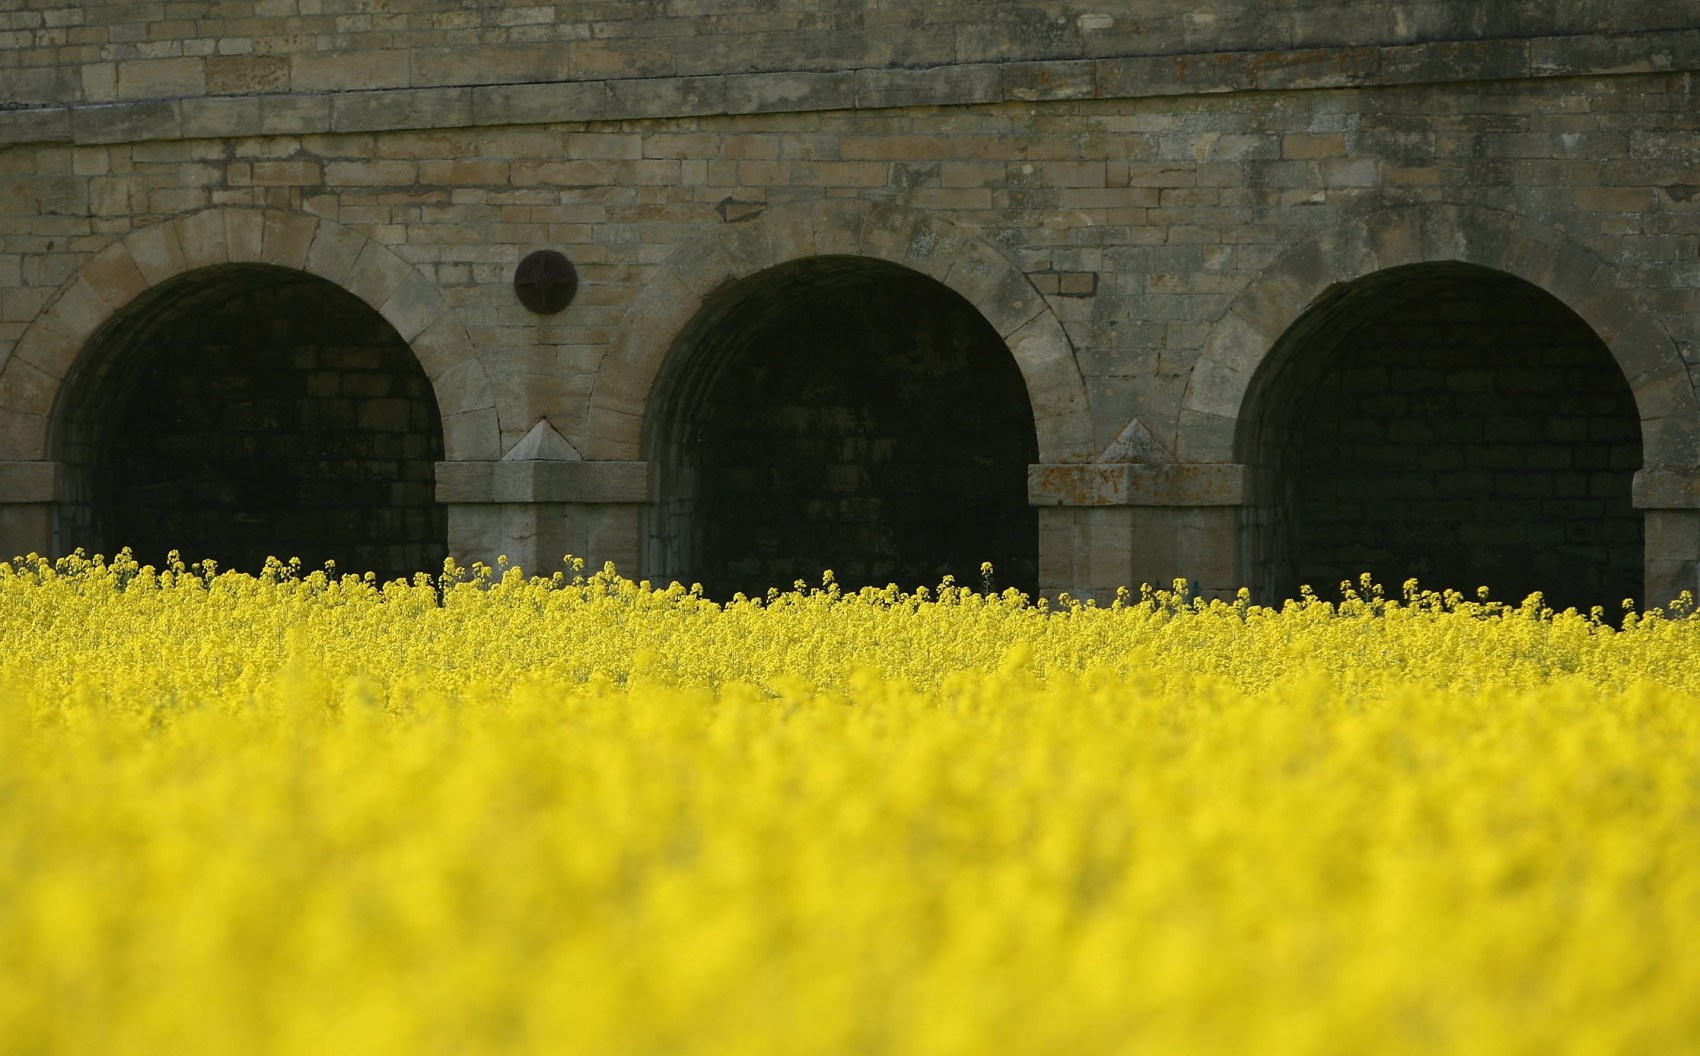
x=545, y=281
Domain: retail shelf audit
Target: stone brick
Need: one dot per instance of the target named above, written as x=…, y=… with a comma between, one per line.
x=1614, y=199
x=1075, y=174
x=376, y=274
x=1307, y=146
x=294, y=173
x=126, y=123
x=413, y=306
x=247, y=74
x=371, y=173
x=463, y=172
x=202, y=238
x=838, y=174
x=114, y=277
x=333, y=252
x=311, y=72
x=471, y=435
x=209, y=118
x=286, y=238
x=564, y=173
x=158, y=78
x=968, y=83
x=416, y=108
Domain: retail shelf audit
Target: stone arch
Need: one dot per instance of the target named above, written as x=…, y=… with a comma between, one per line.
x=1212, y=426
x=32, y=380
x=994, y=285
x=1384, y=484
x=895, y=449
x=338, y=377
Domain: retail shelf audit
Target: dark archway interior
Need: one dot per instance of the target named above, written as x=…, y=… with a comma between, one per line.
x=847, y=414
x=242, y=412
x=1449, y=423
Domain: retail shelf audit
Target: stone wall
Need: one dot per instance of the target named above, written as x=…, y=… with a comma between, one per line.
x=1140, y=211
x=1156, y=212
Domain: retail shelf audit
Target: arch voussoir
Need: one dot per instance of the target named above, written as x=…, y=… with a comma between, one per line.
x=1223, y=376
x=59, y=335
x=203, y=239
x=333, y=252
x=376, y=274
x=286, y=237
x=157, y=251
x=244, y=236
x=47, y=352
x=413, y=306
x=984, y=277
x=115, y=277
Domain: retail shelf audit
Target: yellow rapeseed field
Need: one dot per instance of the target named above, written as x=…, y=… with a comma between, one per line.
x=298, y=814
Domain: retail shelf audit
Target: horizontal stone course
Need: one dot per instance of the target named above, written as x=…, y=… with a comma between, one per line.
x=374, y=91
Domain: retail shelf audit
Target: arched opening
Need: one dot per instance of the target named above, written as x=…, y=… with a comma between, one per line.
x=244, y=411
x=1446, y=422
x=842, y=413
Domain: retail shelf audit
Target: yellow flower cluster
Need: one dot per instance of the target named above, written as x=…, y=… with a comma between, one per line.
x=491, y=814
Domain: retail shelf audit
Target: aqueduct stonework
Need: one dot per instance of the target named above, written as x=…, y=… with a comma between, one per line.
x=1259, y=293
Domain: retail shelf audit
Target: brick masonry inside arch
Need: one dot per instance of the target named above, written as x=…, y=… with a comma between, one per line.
x=244, y=411
x=848, y=414
x=1453, y=424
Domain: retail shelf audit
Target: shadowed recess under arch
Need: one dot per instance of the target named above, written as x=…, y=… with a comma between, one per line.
x=242, y=411
x=845, y=413
x=1446, y=422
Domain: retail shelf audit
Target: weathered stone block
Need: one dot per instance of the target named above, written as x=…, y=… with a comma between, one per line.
x=157, y=78
x=202, y=238
x=1667, y=488
x=1034, y=81
x=1137, y=484
x=43, y=125
x=208, y=118
x=156, y=251
x=23, y=434
x=395, y=110
x=782, y=92
x=246, y=74
x=31, y=482
x=543, y=481
x=332, y=72
x=114, y=277
x=333, y=252
x=283, y=115
x=413, y=305
x=52, y=344
x=285, y=238
x=967, y=83
x=244, y=231
x=472, y=435
x=26, y=528
x=674, y=96
x=127, y=122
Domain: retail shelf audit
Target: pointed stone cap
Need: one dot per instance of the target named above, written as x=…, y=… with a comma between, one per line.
x=1135, y=444
x=543, y=444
